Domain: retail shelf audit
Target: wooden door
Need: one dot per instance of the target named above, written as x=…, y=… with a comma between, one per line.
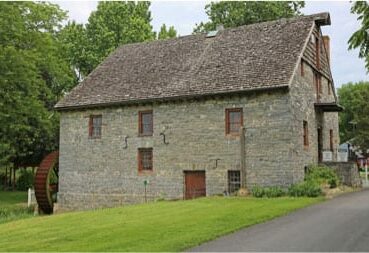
x=195, y=184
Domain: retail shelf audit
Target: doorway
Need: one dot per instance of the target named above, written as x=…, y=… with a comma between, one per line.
x=195, y=185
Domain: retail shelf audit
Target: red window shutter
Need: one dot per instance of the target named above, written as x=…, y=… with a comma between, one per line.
x=145, y=123
x=231, y=122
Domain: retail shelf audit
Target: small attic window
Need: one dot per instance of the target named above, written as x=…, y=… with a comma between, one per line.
x=211, y=34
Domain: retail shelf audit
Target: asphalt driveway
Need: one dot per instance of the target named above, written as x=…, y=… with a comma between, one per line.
x=340, y=224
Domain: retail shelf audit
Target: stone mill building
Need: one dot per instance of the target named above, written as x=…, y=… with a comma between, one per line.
x=200, y=115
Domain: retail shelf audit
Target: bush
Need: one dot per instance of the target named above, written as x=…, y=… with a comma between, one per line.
x=257, y=191
x=25, y=180
x=269, y=192
x=305, y=189
x=322, y=175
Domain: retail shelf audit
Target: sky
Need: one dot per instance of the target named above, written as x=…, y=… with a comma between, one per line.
x=184, y=15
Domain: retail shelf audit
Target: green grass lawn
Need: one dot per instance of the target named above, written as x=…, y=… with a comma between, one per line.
x=13, y=206
x=160, y=226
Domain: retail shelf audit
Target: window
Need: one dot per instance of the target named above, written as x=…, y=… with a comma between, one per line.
x=302, y=67
x=94, y=129
x=331, y=139
x=145, y=159
x=234, y=180
x=306, y=133
x=145, y=127
x=329, y=87
x=234, y=120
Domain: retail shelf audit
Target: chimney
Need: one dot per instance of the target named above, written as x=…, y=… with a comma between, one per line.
x=327, y=47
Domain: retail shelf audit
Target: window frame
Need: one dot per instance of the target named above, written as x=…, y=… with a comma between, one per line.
x=140, y=152
x=228, y=122
x=305, y=126
x=91, y=126
x=141, y=123
x=233, y=185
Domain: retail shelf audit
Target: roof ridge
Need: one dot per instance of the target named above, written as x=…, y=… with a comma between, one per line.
x=318, y=16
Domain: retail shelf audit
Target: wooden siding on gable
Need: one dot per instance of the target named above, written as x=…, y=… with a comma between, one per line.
x=310, y=54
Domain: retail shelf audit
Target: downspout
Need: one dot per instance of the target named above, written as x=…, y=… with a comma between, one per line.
x=243, y=157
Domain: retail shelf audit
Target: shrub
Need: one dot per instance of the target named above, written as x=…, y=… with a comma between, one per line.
x=257, y=191
x=322, y=175
x=305, y=189
x=274, y=192
x=269, y=192
x=25, y=180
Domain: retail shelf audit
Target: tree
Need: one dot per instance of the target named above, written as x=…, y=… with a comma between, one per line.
x=110, y=26
x=75, y=43
x=33, y=76
x=360, y=38
x=233, y=14
x=167, y=34
x=354, y=120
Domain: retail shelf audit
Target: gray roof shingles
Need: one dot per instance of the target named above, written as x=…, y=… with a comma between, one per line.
x=250, y=57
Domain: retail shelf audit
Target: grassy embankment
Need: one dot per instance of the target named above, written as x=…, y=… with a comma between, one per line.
x=160, y=226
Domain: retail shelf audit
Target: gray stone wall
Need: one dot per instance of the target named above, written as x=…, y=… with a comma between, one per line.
x=348, y=172
x=100, y=172
x=303, y=96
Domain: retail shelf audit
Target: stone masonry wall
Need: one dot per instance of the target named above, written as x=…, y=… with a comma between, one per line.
x=303, y=96
x=100, y=172
x=348, y=172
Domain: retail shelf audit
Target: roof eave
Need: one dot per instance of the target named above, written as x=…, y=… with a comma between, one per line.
x=329, y=107
x=166, y=99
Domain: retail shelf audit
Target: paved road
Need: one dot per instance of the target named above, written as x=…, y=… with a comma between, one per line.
x=341, y=224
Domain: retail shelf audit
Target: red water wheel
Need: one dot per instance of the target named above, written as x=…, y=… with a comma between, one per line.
x=46, y=185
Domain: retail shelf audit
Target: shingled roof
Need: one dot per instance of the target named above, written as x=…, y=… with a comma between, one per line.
x=258, y=56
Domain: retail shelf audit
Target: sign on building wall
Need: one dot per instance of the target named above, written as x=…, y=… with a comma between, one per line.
x=342, y=155
x=327, y=156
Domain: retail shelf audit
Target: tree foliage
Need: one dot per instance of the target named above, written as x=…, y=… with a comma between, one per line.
x=233, y=14
x=111, y=25
x=33, y=76
x=354, y=121
x=165, y=33
x=40, y=60
x=360, y=38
